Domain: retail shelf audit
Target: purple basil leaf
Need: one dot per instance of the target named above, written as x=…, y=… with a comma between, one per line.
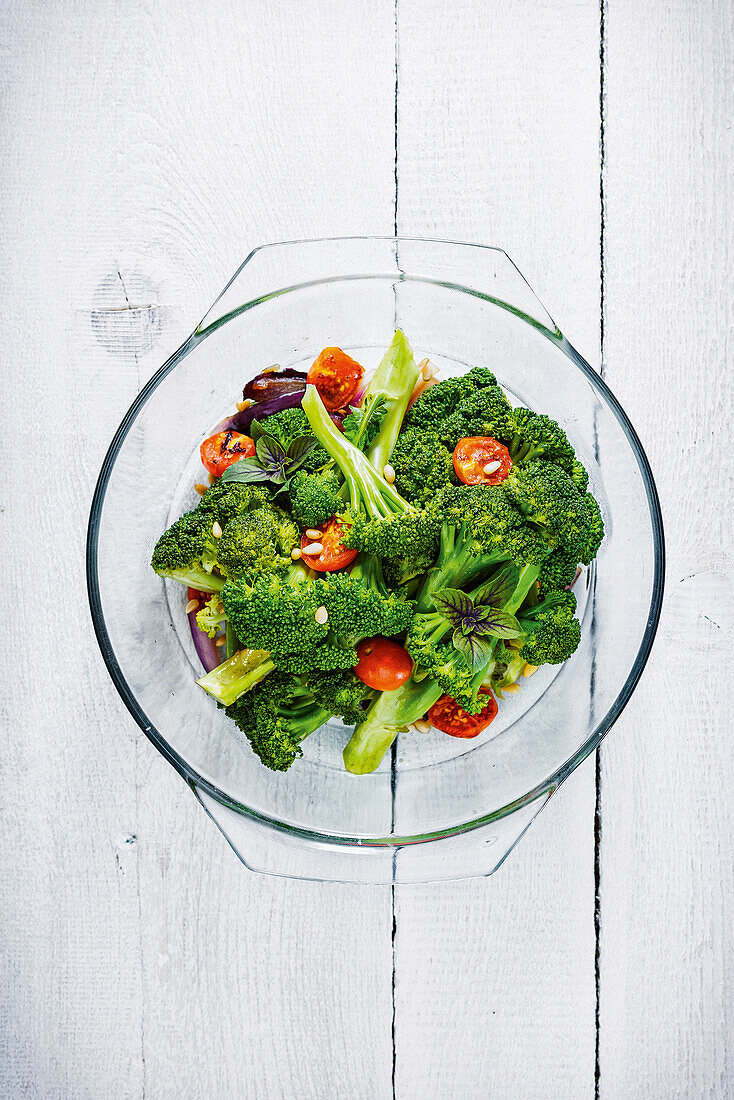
x=476, y=651
x=497, y=592
x=270, y=453
x=500, y=624
x=256, y=430
x=454, y=605
x=245, y=471
x=299, y=449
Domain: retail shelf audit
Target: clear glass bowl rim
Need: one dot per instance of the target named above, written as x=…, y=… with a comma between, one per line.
x=196, y=781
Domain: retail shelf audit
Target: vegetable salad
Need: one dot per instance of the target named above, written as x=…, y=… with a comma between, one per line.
x=398, y=553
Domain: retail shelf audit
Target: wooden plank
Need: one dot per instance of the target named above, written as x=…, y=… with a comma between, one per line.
x=498, y=135
x=667, y=886
x=148, y=147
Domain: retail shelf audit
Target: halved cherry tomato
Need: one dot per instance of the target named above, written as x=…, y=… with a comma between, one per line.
x=221, y=450
x=475, y=452
x=446, y=715
x=337, y=377
x=382, y=664
x=202, y=597
x=334, y=554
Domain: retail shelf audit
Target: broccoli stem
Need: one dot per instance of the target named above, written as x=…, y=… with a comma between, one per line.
x=456, y=567
x=366, y=486
x=393, y=711
x=196, y=578
x=395, y=379
x=238, y=674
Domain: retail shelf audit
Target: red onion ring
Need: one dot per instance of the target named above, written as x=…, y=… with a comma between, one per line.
x=206, y=650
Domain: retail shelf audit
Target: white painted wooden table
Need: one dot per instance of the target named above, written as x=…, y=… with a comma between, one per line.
x=146, y=147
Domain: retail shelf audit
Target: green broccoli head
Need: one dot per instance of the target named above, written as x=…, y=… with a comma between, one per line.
x=315, y=497
x=547, y=496
x=277, y=613
x=226, y=499
x=181, y=550
x=275, y=717
x=558, y=571
x=437, y=659
x=340, y=692
x=439, y=402
x=579, y=476
x=423, y=466
x=551, y=632
x=489, y=524
x=359, y=607
x=484, y=413
x=258, y=542
x=535, y=435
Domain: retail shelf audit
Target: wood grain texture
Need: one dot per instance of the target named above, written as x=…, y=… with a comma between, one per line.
x=146, y=148
x=667, y=879
x=498, y=142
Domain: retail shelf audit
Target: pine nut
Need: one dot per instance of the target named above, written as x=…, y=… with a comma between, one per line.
x=428, y=370
x=492, y=467
x=192, y=605
x=296, y=553
x=389, y=474
x=220, y=641
x=529, y=670
x=216, y=530
x=321, y=616
x=511, y=688
x=242, y=405
x=312, y=533
x=421, y=726
x=200, y=489
x=212, y=479
x=314, y=548
x=271, y=369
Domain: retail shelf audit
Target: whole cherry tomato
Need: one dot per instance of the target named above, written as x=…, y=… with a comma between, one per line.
x=221, y=450
x=333, y=554
x=382, y=664
x=446, y=715
x=337, y=377
x=473, y=454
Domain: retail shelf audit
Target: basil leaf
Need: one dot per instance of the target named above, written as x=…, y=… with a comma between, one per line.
x=497, y=592
x=270, y=452
x=500, y=624
x=476, y=651
x=256, y=430
x=454, y=605
x=245, y=471
x=299, y=449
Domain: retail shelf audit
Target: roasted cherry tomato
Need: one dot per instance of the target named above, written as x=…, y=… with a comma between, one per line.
x=221, y=450
x=202, y=597
x=333, y=555
x=473, y=454
x=382, y=664
x=337, y=377
x=447, y=716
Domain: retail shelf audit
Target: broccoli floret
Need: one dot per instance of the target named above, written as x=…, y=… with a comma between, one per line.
x=211, y=617
x=226, y=499
x=360, y=605
x=276, y=612
x=535, y=435
x=315, y=496
x=288, y=425
x=180, y=551
x=579, y=476
x=258, y=542
x=558, y=571
x=439, y=402
x=551, y=633
x=484, y=413
x=276, y=717
x=341, y=693
x=423, y=466
x=377, y=519
x=550, y=500
x=438, y=659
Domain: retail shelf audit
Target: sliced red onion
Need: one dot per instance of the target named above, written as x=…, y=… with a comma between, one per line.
x=208, y=653
x=272, y=384
x=359, y=395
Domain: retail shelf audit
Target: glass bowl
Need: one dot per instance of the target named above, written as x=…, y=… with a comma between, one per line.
x=439, y=808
